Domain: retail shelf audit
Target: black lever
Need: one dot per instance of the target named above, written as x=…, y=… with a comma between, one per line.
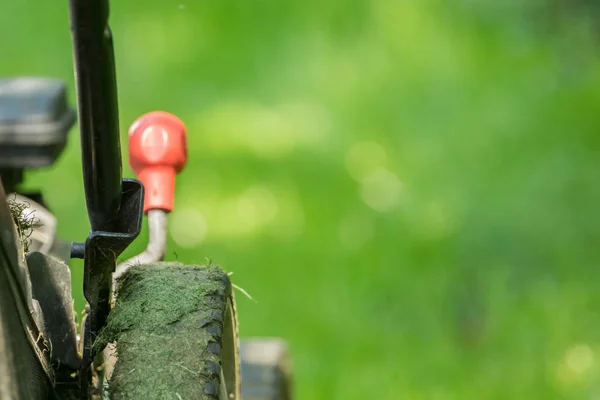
x=115, y=205
x=98, y=111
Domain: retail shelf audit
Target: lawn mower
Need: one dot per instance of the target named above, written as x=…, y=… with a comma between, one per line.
x=151, y=329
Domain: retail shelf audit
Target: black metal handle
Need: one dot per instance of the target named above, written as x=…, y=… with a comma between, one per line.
x=98, y=111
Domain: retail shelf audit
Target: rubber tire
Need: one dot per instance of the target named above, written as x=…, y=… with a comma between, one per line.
x=219, y=356
x=266, y=369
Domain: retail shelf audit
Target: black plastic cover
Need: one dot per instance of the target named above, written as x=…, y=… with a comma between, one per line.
x=34, y=121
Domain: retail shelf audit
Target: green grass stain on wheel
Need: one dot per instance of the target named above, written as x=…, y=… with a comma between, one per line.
x=170, y=323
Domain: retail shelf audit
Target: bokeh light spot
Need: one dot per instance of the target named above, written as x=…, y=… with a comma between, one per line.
x=256, y=207
x=364, y=158
x=579, y=358
x=187, y=227
x=267, y=132
x=381, y=190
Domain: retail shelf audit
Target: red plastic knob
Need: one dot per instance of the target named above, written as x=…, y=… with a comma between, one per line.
x=157, y=152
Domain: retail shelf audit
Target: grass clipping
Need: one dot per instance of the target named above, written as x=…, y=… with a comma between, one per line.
x=26, y=222
x=164, y=319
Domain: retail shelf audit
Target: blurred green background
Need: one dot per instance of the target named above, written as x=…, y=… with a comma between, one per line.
x=409, y=189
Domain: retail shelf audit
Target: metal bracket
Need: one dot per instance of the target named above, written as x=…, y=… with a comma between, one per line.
x=100, y=259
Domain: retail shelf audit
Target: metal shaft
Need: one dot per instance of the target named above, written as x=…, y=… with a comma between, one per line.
x=98, y=111
x=157, y=245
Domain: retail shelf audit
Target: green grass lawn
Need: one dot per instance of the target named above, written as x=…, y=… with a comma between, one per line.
x=409, y=189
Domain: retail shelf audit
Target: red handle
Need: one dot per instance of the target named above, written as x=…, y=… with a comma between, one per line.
x=157, y=152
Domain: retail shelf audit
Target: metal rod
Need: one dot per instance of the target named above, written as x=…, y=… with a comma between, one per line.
x=157, y=246
x=157, y=243
x=98, y=111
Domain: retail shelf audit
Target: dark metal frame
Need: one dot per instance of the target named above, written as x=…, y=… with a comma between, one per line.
x=98, y=111
x=114, y=204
